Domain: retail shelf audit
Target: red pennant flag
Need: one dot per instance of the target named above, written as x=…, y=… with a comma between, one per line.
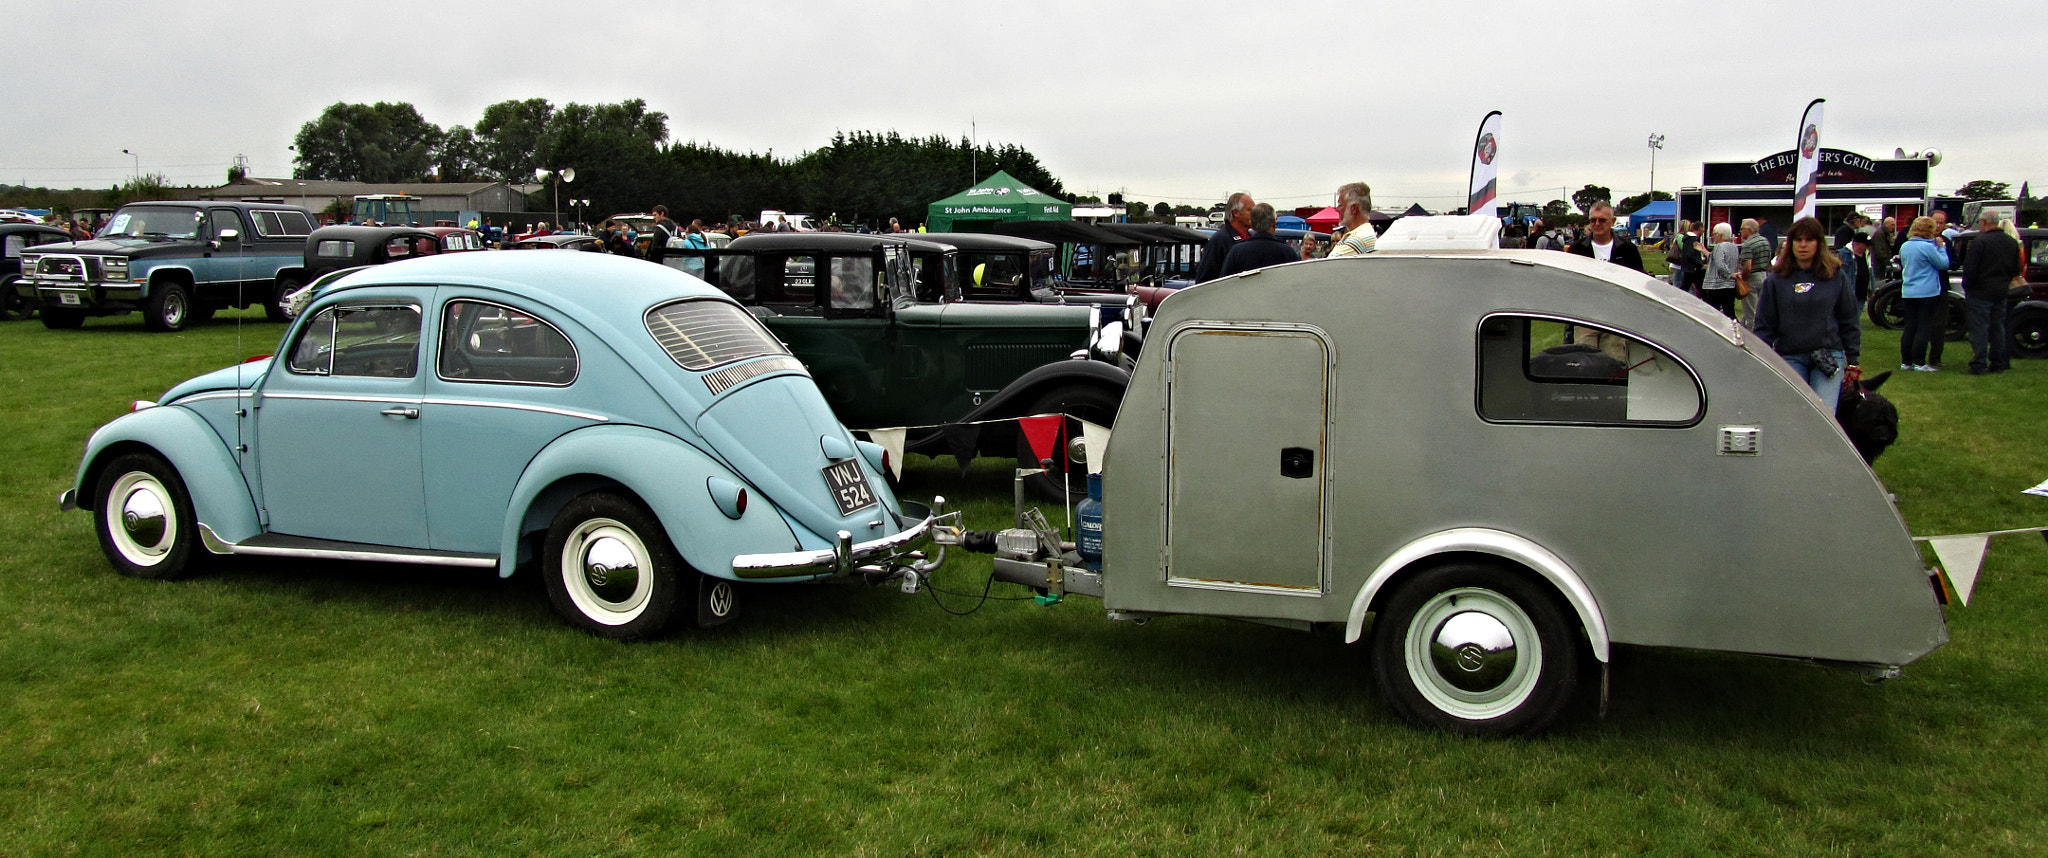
x=1043, y=433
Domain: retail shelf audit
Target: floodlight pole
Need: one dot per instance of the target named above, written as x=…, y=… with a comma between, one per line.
x=1656, y=143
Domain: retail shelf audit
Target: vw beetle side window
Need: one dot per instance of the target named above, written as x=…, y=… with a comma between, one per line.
x=1547, y=370
x=359, y=341
x=490, y=343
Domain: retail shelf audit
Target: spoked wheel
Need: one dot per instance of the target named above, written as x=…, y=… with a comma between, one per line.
x=1067, y=480
x=144, y=519
x=610, y=568
x=1884, y=307
x=2029, y=329
x=1476, y=649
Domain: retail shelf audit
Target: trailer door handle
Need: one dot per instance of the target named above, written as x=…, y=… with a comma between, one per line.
x=406, y=412
x=1297, y=463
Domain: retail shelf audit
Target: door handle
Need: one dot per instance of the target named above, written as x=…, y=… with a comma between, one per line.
x=406, y=412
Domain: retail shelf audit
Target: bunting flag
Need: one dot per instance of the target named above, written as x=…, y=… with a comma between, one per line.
x=1096, y=440
x=1485, y=184
x=892, y=441
x=1043, y=434
x=1962, y=555
x=1806, y=180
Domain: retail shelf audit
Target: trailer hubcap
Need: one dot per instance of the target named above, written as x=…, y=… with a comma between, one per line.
x=1473, y=653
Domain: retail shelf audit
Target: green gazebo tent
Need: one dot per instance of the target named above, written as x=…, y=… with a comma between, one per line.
x=996, y=199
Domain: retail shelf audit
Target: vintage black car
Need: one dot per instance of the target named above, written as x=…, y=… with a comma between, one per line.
x=15, y=238
x=847, y=306
x=176, y=262
x=335, y=248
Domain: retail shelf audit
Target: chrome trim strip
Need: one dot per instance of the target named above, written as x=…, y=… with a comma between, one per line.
x=517, y=406
x=823, y=559
x=330, y=397
x=217, y=545
x=202, y=397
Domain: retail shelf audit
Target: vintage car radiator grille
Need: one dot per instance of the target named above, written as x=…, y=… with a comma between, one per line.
x=724, y=379
x=993, y=367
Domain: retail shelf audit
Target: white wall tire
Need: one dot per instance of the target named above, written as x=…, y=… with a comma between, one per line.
x=144, y=520
x=610, y=568
x=1477, y=649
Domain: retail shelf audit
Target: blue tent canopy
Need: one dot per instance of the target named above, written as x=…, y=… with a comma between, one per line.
x=1664, y=210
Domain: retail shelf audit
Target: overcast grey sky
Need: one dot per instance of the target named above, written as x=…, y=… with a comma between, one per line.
x=1181, y=101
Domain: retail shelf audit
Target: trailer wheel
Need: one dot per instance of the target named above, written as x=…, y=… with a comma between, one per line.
x=1067, y=480
x=1476, y=649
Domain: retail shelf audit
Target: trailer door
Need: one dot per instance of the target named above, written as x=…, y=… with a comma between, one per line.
x=1247, y=412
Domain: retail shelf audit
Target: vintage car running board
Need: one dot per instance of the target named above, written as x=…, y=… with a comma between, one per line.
x=280, y=545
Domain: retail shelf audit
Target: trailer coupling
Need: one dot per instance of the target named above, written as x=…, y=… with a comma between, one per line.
x=1032, y=555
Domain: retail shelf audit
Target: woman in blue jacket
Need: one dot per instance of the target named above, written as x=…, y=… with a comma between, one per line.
x=1807, y=308
x=1924, y=259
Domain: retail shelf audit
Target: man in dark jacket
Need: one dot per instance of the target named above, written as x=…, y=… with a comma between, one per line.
x=1603, y=243
x=663, y=230
x=1236, y=227
x=1989, y=265
x=1262, y=248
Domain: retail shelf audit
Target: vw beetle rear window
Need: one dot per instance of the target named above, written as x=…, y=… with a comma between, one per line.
x=704, y=334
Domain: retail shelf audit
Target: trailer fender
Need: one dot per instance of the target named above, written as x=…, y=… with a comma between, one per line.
x=1485, y=541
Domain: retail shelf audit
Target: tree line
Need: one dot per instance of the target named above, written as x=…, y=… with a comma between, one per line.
x=625, y=161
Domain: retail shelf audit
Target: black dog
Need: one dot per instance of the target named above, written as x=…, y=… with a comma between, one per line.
x=1871, y=421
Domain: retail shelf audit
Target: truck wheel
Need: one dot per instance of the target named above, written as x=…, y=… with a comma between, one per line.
x=168, y=308
x=610, y=568
x=1067, y=480
x=14, y=307
x=2029, y=329
x=1476, y=649
x=60, y=318
x=1884, y=308
x=144, y=519
x=278, y=308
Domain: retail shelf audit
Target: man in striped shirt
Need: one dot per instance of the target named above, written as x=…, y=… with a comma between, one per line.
x=1354, y=234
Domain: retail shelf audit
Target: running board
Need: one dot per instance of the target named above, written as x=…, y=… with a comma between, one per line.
x=280, y=545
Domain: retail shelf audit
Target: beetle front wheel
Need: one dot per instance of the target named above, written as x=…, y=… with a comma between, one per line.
x=144, y=519
x=1475, y=648
x=610, y=568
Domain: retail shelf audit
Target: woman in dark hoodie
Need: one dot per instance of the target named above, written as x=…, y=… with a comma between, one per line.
x=1807, y=310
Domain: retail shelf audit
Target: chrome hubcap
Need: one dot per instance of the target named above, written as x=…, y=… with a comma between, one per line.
x=1473, y=653
x=145, y=530
x=604, y=568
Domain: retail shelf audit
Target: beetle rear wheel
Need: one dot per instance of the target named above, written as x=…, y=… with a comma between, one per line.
x=144, y=519
x=610, y=568
x=1475, y=648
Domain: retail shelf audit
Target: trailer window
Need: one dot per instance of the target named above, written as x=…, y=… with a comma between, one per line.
x=1552, y=370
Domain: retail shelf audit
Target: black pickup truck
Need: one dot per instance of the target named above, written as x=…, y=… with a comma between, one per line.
x=177, y=262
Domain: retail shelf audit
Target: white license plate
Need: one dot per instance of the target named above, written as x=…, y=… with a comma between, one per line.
x=70, y=298
x=849, y=487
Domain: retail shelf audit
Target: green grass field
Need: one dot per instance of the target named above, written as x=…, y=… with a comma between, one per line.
x=280, y=708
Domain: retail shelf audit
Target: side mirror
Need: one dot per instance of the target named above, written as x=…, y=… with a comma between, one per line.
x=227, y=236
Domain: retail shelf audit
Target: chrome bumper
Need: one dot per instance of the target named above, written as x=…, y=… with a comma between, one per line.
x=68, y=500
x=880, y=555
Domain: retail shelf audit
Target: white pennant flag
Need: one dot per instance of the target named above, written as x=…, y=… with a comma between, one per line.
x=892, y=441
x=1961, y=556
x=1806, y=177
x=1096, y=439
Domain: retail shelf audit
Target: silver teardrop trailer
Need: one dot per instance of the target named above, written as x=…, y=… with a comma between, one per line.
x=1506, y=460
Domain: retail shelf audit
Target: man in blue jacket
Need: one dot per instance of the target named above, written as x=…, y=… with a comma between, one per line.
x=1236, y=227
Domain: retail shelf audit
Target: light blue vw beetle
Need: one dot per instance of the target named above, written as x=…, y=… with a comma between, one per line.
x=633, y=430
